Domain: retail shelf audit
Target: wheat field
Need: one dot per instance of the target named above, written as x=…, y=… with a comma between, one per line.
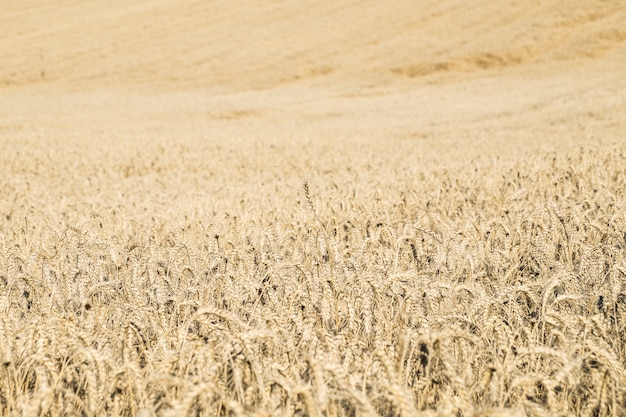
x=485, y=287
x=312, y=209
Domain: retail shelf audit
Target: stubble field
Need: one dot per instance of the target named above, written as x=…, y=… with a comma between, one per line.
x=243, y=209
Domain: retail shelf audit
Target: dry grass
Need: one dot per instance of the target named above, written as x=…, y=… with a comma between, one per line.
x=169, y=285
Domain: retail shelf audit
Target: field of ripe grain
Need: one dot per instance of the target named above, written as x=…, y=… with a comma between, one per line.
x=312, y=209
x=366, y=288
